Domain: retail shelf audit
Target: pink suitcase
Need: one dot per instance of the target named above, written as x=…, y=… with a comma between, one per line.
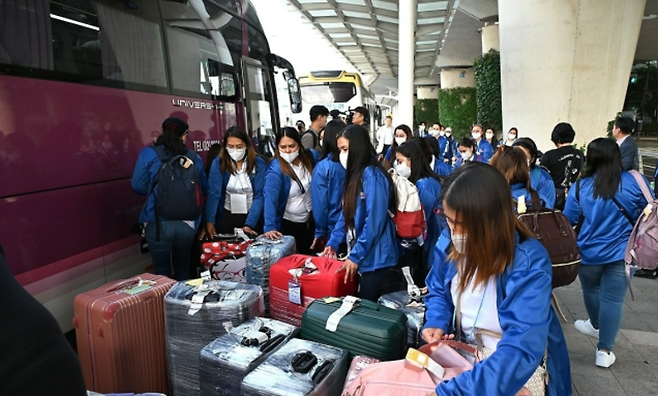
x=120, y=334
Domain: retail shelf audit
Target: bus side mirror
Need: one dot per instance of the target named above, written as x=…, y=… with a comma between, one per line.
x=295, y=94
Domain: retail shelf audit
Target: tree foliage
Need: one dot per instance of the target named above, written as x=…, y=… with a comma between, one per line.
x=426, y=110
x=458, y=110
x=489, y=97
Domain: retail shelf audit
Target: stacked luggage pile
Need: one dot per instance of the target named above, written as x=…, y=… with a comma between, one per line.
x=207, y=337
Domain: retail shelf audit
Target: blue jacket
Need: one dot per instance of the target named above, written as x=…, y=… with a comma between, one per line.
x=276, y=192
x=327, y=192
x=443, y=141
x=485, y=150
x=441, y=168
x=519, y=189
x=376, y=242
x=460, y=162
x=605, y=230
x=541, y=181
x=217, y=193
x=146, y=172
x=449, y=150
x=526, y=317
x=429, y=190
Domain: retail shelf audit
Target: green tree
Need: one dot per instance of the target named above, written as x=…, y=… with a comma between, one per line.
x=458, y=110
x=426, y=110
x=489, y=98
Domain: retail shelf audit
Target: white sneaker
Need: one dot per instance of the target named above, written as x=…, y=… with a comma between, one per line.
x=605, y=359
x=585, y=327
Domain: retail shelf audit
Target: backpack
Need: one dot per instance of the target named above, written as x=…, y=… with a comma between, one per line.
x=179, y=195
x=409, y=217
x=553, y=230
x=642, y=247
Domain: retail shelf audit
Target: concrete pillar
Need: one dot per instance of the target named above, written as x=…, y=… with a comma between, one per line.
x=428, y=92
x=490, y=38
x=407, y=50
x=566, y=60
x=457, y=78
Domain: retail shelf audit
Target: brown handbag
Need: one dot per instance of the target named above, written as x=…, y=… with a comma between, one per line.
x=552, y=229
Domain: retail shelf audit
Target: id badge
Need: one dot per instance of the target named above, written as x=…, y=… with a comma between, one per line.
x=295, y=293
x=239, y=204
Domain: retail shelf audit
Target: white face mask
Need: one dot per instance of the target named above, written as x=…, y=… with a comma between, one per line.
x=342, y=157
x=448, y=133
x=490, y=135
x=290, y=157
x=459, y=241
x=476, y=135
x=237, y=154
x=403, y=170
x=511, y=136
x=442, y=133
x=320, y=143
x=434, y=133
x=467, y=155
x=528, y=163
x=400, y=140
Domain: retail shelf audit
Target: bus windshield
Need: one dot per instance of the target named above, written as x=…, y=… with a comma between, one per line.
x=333, y=92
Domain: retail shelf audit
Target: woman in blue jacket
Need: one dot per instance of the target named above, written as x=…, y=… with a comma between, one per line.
x=596, y=203
x=287, y=191
x=364, y=223
x=500, y=278
x=327, y=186
x=540, y=179
x=483, y=147
x=411, y=163
x=237, y=177
x=169, y=241
x=514, y=167
x=402, y=134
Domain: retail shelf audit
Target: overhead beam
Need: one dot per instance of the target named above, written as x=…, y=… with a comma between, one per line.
x=373, y=18
x=442, y=35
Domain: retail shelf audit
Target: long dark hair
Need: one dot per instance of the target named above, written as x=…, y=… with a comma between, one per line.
x=361, y=156
x=513, y=164
x=173, y=129
x=420, y=167
x=433, y=144
x=329, y=146
x=603, y=163
x=303, y=156
x=226, y=162
x=213, y=152
x=490, y=228
x=529, y=145
x=407, y=131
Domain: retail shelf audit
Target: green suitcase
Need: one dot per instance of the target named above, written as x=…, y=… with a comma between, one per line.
x=365, y=328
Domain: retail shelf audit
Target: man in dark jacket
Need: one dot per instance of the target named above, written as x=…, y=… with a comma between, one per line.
x=563, y=163
x=35, y=358
x=622, y=133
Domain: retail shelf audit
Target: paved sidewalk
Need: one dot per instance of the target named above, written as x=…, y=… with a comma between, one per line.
x=635, y=372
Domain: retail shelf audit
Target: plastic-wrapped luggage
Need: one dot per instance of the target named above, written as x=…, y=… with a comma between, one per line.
x=357, y=365
x=195, y=315
x=413, y=308
x=227, y=360
x=120, y=334
x=299, y=368
x=360, y=326
x=296, y=281
x=261, y=255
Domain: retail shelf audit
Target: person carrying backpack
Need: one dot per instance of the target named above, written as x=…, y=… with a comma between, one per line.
x=173, y=178
x=605, y=203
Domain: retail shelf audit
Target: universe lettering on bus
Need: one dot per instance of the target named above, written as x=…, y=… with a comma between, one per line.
x=204, y=145
x=196, y=104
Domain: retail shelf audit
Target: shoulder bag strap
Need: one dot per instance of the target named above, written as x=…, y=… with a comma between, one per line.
x=624, y=212
x=642, y=184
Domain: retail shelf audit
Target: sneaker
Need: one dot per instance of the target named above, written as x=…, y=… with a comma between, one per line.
x=605, y=359
x=585, y=327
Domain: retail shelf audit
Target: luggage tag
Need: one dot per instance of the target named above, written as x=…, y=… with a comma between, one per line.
x=295, y=292
x=412, y=289
x=417, y=359
x=647, y=211
x=349, y=303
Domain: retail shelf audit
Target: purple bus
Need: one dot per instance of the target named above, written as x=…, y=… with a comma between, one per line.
x=84, y=86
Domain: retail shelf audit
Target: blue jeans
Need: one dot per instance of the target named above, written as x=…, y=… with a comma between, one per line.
x=604, y=290
x=174, y=246
x=370, y=284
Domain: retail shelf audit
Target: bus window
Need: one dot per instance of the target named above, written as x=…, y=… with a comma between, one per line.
x=334, y=92
x=99, y=43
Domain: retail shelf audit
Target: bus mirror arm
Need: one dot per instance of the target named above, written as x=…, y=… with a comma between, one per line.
x=294, y=91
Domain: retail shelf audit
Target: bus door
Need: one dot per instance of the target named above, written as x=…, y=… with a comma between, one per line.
x=259, y=102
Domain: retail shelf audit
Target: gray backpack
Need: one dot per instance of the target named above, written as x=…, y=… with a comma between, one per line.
x=642, y=247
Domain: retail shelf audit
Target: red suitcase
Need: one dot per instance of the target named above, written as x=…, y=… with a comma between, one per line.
x=120, y=334
x=323, y=281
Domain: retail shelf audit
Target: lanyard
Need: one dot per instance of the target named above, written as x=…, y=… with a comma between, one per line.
x=458, y=308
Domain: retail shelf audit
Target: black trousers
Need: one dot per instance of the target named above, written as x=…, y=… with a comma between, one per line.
x=302, y=232
x=230, y=221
